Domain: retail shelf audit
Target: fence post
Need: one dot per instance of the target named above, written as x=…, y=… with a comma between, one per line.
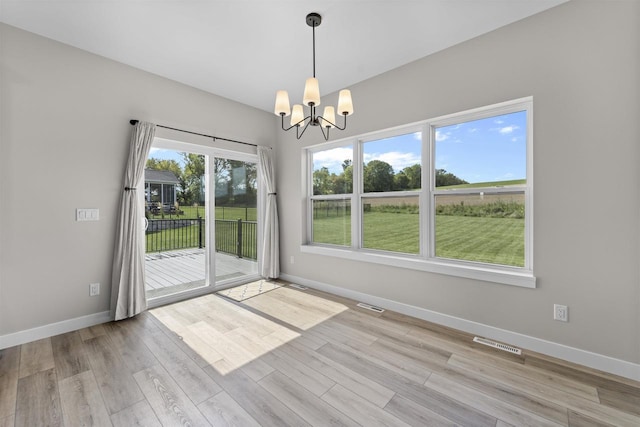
x=200, y=233
x=239, y=250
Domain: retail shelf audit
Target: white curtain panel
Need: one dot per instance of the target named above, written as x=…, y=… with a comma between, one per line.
x=270, y=254
x=128, y=294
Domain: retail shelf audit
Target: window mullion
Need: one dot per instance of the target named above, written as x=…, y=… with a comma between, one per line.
x=309, y=191
x=426, y=211
x=356, y=197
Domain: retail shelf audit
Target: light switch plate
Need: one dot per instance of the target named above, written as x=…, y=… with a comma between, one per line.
x=87, y=214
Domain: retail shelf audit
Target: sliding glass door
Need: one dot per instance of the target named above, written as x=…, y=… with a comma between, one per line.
x=236, y=225
x=201, y=220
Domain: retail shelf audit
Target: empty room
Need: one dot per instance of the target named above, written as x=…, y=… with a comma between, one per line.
x=287, y=213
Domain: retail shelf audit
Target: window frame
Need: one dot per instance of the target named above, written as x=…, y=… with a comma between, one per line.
x=385, y=134
x=426, y=259
x=310, y=197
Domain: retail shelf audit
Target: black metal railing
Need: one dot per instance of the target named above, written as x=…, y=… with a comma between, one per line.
x=235, y=237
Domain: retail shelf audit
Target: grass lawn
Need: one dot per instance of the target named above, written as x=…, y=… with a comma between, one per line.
x=396, y=232
x=333, y=230
x=490, y=240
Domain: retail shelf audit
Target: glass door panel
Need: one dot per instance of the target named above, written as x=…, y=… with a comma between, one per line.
x=236, y=226
x=175, y=211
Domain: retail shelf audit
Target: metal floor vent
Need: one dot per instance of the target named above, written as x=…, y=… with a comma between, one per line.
x=499, y=346
x=301, y=287
x=370, y=307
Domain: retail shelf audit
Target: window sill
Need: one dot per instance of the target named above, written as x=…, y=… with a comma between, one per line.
x=482, y=272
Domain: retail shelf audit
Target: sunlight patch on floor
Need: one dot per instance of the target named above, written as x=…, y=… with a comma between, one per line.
x=239, y=336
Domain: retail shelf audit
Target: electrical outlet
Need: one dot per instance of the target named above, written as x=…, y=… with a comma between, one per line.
x=94, y=289
x=560, y=312
x=292, y=260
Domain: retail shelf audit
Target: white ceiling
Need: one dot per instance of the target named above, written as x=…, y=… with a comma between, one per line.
x=245, y=50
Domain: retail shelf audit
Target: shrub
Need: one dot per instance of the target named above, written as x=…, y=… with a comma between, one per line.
x=401, y=208
x=498, y=209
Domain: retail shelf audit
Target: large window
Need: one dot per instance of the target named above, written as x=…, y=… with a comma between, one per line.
x=451, y=195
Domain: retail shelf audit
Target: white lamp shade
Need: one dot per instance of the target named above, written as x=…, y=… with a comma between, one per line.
x=282, y=103
x=297, y=114
x=345, y=105
x=328, y=117
x=311, y=92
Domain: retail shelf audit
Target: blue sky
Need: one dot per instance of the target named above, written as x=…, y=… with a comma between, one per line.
x=492, y=149
x=160, y=153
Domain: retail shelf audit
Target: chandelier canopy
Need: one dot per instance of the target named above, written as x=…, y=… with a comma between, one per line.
x=311, y=99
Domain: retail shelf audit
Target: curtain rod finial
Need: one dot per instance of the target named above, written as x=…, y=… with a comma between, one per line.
x=133, y=122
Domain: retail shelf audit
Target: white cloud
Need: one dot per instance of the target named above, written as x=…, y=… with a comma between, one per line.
x=508, y=129
x=396, y=159
x=442, y=136
x=417, y=136
x=332, y=159
x=498, y=122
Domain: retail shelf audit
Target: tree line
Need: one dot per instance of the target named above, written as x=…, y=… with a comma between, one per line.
x=236, y=181
x=378, y=176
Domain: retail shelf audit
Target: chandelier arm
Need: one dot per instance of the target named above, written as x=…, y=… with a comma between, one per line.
x=293, y=125
x=320, y=119
x=345, y=123
x=298, y=136
x=326, y=135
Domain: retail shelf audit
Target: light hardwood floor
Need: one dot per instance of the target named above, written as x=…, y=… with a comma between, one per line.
x=295, y=358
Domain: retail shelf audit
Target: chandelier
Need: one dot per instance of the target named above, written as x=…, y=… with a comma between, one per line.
x=311, y=99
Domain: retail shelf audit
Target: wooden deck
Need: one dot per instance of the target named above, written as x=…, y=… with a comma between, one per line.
x=173, y=271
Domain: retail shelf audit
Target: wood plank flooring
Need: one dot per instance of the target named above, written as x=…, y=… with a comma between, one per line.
x=295, y=358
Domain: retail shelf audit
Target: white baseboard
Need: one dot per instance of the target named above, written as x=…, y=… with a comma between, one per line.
x=52, y=329
x=582, y=357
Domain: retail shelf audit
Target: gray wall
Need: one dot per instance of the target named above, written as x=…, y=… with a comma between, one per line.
x=580, y=62
x=64, y=132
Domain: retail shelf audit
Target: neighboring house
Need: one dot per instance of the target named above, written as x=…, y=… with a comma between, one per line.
x=160, y=187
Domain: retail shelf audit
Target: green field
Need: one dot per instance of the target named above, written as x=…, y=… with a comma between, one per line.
x=490, y=240
x=482, y=239
x=486, y=184
x=397, y=232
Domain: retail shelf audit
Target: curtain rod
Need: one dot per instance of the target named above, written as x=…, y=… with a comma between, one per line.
x=134, y=122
